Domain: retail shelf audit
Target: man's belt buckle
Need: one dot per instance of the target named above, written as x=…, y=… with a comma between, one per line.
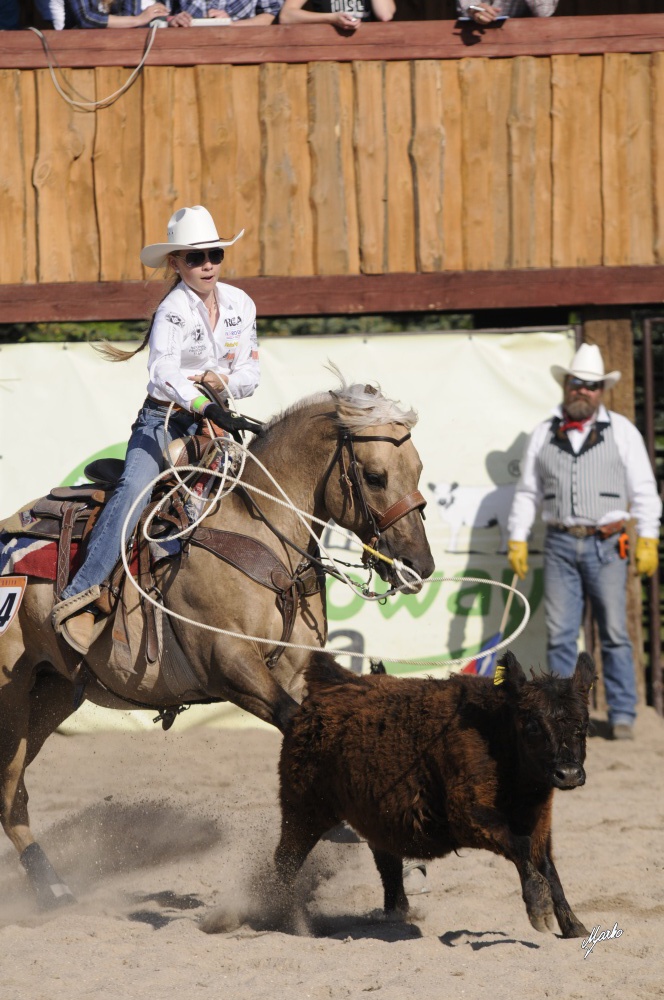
x=581, y=530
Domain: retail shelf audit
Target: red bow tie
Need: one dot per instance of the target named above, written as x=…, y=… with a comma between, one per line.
x=573, y=425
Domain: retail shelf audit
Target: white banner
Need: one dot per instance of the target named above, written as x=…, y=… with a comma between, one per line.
x=478, y=396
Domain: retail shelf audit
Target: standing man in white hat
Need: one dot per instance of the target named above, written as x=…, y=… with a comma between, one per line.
x=201, y=328
x=588, y=470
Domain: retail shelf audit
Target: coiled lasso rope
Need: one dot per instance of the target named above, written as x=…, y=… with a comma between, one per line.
x=226, y=478
x=105, y=102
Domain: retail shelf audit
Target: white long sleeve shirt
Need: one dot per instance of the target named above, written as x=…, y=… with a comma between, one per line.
x=183, y=343
x=644, y=503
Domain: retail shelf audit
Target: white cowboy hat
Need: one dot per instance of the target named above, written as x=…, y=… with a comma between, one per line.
x=588, y=365
x=188, y=229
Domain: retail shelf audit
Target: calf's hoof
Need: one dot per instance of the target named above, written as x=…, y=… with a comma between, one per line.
x=575, y=930
x=537, y=896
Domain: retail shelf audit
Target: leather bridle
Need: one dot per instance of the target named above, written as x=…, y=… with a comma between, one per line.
x=352, y=484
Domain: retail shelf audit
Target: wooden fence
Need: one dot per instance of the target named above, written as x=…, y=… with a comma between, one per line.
x=375, y=166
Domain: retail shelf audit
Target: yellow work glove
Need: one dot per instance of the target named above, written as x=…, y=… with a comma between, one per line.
x=645, y=556
x=517, y=557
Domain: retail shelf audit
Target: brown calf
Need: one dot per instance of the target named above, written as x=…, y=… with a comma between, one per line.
x=424, y=767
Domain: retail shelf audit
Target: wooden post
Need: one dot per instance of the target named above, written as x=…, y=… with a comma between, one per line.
x=611, y=330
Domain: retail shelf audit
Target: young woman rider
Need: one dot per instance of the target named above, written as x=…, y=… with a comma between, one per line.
x=201, y=326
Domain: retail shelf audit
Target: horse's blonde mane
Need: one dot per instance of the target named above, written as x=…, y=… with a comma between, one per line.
x=357, y=406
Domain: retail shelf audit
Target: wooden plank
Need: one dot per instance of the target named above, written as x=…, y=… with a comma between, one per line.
x=453, y=194
x=499, y=80
x=657, y=92
x=427, y=151
x=476, y=167
x=28, y=98
x=12, y=181
x=328, y=194
x=312, y=43
x=219, y=141
x=347, y=129
x=231, y=159
x=400, y=194
x=67, y=228
x=575, y=157
x=185, y=139
x=626, y=160
x=245, y=202
x=117, y=177
x=337, y=294
x=286, y=230
x=370, y=144
x=158, y=200
x=529, y=125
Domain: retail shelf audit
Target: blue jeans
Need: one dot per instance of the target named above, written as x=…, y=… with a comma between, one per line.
x=573, y=568
x=144, y=460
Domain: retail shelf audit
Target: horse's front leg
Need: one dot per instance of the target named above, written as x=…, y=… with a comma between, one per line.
x=238, y=673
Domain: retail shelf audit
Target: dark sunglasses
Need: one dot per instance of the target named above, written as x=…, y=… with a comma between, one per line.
x=196, y=258
x=579, y=383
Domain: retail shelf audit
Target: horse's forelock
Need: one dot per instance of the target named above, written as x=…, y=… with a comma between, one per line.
x=360, y=406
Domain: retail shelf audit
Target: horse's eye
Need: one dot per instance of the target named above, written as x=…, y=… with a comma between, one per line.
x=374, y=479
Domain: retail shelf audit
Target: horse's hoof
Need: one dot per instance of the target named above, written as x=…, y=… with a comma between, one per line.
x=49, y=888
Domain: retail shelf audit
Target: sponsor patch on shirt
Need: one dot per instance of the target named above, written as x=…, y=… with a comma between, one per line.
x=175, y=319
x=232, y=321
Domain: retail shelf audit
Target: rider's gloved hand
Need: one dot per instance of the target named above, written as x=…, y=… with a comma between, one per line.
x=224, y=418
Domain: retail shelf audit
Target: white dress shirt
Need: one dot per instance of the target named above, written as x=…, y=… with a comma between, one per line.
x=644, y=502
x=183, y=343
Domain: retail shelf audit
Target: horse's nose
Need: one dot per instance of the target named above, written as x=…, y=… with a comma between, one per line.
x=569, y=775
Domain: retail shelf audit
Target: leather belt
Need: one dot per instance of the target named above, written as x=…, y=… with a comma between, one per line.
x=165, y=403
x=585, y=530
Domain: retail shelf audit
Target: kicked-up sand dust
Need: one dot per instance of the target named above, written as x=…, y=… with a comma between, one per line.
x=166, y=839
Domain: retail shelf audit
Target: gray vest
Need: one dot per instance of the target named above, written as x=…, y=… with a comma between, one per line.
x=588, y=485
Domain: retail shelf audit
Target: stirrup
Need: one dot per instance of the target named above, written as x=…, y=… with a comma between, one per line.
x=72, y=605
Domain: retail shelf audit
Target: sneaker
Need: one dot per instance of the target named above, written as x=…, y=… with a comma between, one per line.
x=622, y=731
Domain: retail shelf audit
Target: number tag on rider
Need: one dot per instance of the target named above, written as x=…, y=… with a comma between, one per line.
x=12, y=589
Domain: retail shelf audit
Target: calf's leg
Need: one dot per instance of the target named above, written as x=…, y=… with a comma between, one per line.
x=570, y=925
x=300, y=832
x=390, y=869
x=497, y=837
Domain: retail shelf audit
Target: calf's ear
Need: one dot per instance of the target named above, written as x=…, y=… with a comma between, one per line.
x=584, y=673
x=509, y=672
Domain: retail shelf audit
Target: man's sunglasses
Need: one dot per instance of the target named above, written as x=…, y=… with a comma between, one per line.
x=196, y=258
x=579, y=383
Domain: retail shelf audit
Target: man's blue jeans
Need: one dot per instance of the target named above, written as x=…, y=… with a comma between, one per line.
x=573, y=568
x=145, y=460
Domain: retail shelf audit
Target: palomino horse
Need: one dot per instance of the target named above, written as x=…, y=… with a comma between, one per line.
x=345, y=456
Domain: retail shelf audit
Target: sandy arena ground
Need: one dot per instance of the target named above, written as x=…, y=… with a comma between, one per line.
x=160, y=833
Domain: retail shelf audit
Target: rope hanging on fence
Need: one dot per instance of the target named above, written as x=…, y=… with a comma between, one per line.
x=90, y=106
